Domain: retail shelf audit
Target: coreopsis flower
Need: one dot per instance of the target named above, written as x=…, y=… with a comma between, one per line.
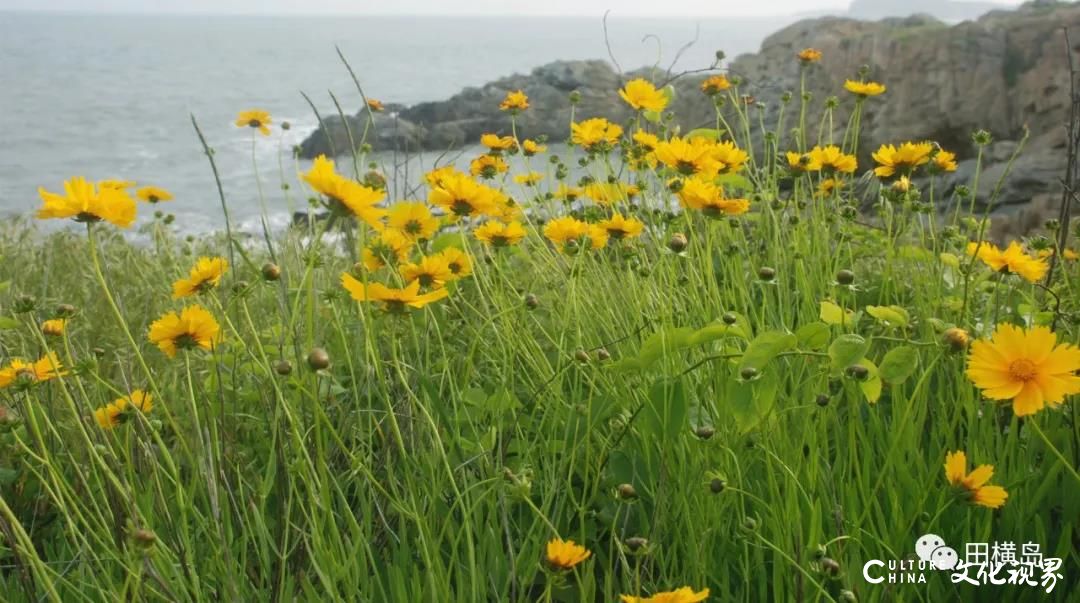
x=529, y=179
x=375, y=105
x=435, y=177
x=809, y=55
x=191, y=328
x=565, y=554
x=1013, y=260
x=117, y=184
x=505, y=208
x=902, y=184
x=596, y=134
x=802, y=162
x=688, y=157
x=704, y=195
x=153, y=194
x=85, y=202
x=730, y=157
x=564, y=230
x=642, y=95
x=943, y=161
x=54, y=327
x=431, y=272
x=515, y=101
x=389, y=248
x=458, y=261
x=606, y=193
x=530, y=147
x=974, y=483
x=205, y=275
x=832, y=159
x=462, y=196
x=345, y=196
x=499, y=234
x=645, y=140
x=1025, y=366
x=413, y=219
x=255, y=118
x=496, y=143
x=864, y=89
x=1068, y=254
x=18, y=371
x=828, y=186
x=620, y=227
x=679, y=595
x=903, y=159
x=568, y=193
x=392, y=300
x=487, y=166
x=715, y=84
x=121, y=410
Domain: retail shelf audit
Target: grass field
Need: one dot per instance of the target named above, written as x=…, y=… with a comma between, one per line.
x=738, y=370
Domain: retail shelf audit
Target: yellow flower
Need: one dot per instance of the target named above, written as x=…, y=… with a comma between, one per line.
x=498, y=234
x=864, y=89
x=568, y=193
x=562, y=231
x=688, y=157
x=730, y=157
x=45, y=368
x=153, y=194
x=1026, y=367
x=703, y=194
x=828, y=186
x=346, y=196
x=458, y=261
x=254, y=118
x=974, y=483
x=462, y=196
x=495, y=142
x=119, y=184
x=431, y=272
x=487, y=166
x=529, y=179
x=119, y=411
x=192, y=328
x=565, y=554
x=375, y=105
x=679, y=595
x=205, y=275
x=84, y=202
x=596, y=134
x=1013, y=260
x=902, y=184
x=390, y=247
x=1069, y=254
x=606, y=193
x=531, y=147
x=54, y=327
x=809, y=55
x=715, y=84
x=944, y=161
x=645, y=140
x=392, y=300
x=642, y=95
x=619, y=227
x=515, y=101
x=505, y=208
x=831, y=158
x=413, y=219
x=435, y=177
x=904, y=159
x=802, y=162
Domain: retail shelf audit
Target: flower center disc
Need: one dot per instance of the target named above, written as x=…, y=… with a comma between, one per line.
x=1022, y=369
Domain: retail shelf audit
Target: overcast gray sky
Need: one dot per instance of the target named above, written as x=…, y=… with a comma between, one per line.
x=719, y=8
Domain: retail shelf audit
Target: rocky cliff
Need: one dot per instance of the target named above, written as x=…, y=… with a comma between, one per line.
x=1004, y=72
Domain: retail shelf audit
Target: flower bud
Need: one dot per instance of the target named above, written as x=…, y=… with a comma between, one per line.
x=729, y=318
x=717, y=485
x=271, y=271
x=602, y=354
x=956, y=338
x=575, y=97
x=318, y=359
x=25, y=303
x=766, y=274
x=283, y=367
x=678, y=242
x=748, y=373
x=846, y=596
x=822, y=400
x=830, y=567
x=704, y=432
x=144, y=538
x=845, y=277
x=626, y=491
x=532, y=302
x=65, y=311
x=581, y=356
x=635, y=543
x=858, y=372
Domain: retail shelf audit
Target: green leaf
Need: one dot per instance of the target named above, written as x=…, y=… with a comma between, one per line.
x=8, y=323
x=871, y=388
x=846, y=350
x=751, y=401
x=664, y=342
x=893, y=316
x=734, y=181
x=668, y=92
x=651, y=116
x=709, y=133
x=664, y=415
x=767, y=346
x=899, y=363
x=813, y=336
x=833, y=314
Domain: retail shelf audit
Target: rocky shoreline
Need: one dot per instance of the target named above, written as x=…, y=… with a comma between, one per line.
x=1006, y=72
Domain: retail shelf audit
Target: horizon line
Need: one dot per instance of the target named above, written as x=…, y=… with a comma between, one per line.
x=612, y=15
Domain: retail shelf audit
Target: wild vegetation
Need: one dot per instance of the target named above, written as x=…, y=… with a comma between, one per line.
x=699, y=371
